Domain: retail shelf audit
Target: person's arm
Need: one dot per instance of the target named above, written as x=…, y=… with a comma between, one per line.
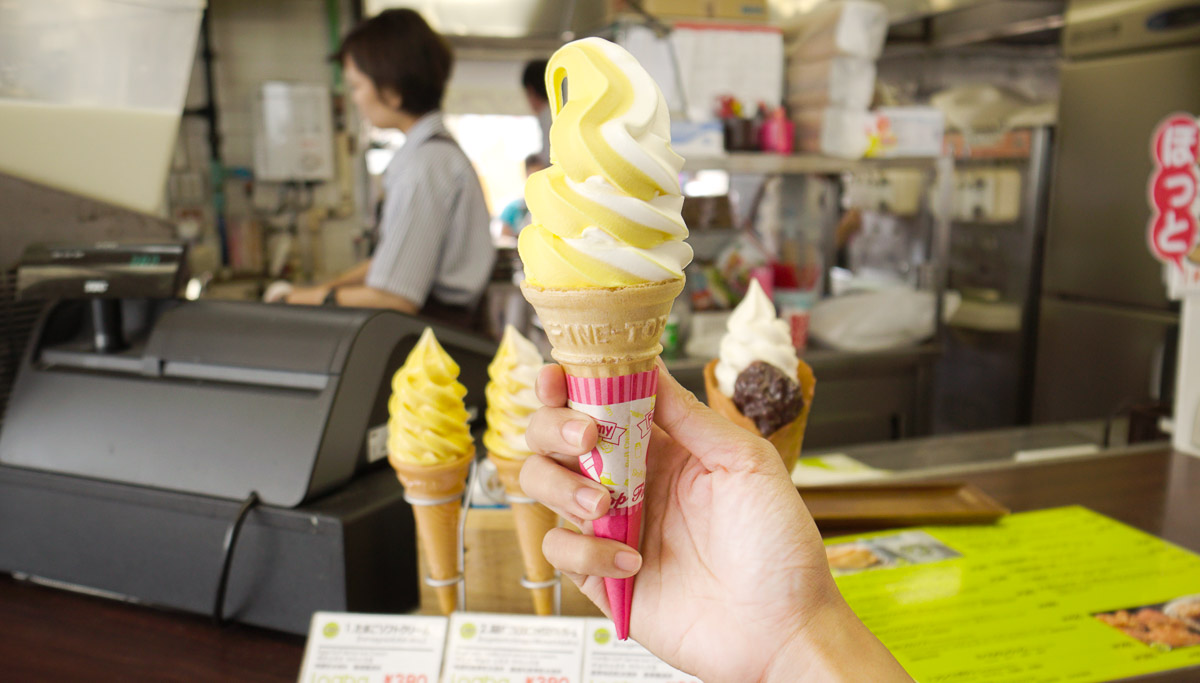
x=354, y=296
x=315, y=295
x=355, y=276
x=361, y=296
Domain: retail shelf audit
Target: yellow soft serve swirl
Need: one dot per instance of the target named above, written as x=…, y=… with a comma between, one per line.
x=606, y=213
x=511, y=399
x=428, y=420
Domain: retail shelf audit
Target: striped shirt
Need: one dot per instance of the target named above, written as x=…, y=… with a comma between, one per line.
x=434, y=236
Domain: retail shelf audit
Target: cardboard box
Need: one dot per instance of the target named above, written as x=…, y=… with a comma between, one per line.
x=740, y=10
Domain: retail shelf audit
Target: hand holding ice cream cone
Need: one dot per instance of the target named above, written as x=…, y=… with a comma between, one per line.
x=430, y=447
x=604, y=261
x=511, y=401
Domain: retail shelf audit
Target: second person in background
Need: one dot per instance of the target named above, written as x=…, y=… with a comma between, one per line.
x=435, y=251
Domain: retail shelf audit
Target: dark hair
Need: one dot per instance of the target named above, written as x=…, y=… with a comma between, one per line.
x=536, y=160
x=534, y=78
x=397, y=50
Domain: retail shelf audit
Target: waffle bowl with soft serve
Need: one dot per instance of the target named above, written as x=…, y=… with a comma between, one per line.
x=759, y=383
x=431, y=449
x=604, y=258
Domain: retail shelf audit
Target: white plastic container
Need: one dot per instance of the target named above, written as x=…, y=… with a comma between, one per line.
x=91, y=92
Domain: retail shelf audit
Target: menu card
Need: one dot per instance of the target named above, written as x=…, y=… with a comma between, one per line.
x=474, y=647
x=373, y=648
x=519, y=649
x=608, y=660
x=1055, y=595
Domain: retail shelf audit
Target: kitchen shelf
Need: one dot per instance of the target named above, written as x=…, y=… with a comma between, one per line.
x=766, y=163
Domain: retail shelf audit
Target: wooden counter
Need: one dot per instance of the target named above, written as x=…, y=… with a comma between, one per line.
x=48, y=634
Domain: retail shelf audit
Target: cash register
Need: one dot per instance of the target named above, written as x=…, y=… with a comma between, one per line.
x=209, y=456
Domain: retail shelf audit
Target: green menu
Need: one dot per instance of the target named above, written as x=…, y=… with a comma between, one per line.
x=1055, y=595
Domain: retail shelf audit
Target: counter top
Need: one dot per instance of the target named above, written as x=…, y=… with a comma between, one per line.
x=47, y=634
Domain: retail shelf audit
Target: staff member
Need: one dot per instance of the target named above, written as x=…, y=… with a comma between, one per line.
x=435, y=252
x=533, y=80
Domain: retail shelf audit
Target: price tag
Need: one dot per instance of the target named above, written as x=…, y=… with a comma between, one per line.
x=372, y=648
x=500, y=648
x=608, y=660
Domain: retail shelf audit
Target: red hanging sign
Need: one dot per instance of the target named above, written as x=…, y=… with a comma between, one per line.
x=1174, y=187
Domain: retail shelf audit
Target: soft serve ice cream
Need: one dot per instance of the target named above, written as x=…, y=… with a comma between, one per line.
x=511, y=403
x=431, y=450
x=758, y=368
x=604, y=259
x=755, y=333
x=427, y=422
x=606, y=213
x=511, y=399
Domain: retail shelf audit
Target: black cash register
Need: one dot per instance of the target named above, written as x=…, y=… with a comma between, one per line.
x=209, y=456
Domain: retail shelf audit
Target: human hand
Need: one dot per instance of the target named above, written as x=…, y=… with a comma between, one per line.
x=733, y=582
x=308, y=296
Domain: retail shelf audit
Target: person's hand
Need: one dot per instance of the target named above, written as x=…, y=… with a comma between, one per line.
x=733, y=582
x=308, y=296
x=277, y=292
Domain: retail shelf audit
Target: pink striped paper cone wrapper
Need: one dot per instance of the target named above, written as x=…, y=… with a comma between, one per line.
x=607, y=341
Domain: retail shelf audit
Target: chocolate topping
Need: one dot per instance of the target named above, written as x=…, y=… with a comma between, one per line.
x=768, y=397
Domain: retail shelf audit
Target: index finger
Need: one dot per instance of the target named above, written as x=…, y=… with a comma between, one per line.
x=551, y=386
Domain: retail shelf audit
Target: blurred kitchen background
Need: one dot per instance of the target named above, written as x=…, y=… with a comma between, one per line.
x=945, y=198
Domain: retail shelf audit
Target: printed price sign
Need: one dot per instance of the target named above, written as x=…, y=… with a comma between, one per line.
x=1174, y=226
x=608, y=660
x=373, y=648
x=501, y=648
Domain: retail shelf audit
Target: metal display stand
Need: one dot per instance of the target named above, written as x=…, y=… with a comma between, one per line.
x=461, y=579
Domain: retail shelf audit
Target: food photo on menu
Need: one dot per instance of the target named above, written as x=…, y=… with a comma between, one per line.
x=1166, y=626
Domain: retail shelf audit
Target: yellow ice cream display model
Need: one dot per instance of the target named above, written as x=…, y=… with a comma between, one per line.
x=431, y=450
x=427, y=422
x=606, y=213
x=511, y=403
x=511, y=400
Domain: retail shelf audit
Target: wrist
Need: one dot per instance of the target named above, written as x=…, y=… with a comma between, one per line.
x=834, y=645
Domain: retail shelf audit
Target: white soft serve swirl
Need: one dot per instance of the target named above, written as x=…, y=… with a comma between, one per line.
x=755, y=334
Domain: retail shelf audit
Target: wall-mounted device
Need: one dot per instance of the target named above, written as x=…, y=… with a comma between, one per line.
x=293, y=133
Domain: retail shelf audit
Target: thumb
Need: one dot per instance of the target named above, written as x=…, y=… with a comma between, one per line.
x=715, y=441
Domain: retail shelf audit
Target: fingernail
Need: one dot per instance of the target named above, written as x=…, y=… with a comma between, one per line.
x=627, y=561
x=588, y=499
x=573, y=432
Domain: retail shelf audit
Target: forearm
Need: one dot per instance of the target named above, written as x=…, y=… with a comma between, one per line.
x=355, y=276
x=835, y=647
x=361, y=296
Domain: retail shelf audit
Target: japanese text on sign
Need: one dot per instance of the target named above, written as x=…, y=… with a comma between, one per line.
x=1173, y=189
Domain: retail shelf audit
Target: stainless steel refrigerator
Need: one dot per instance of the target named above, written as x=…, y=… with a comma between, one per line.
x=1106, y=330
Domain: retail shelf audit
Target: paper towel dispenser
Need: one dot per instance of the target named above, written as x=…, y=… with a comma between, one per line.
x=214, y=397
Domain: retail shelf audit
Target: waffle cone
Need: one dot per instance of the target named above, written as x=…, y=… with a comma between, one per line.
x=437, y=525
x=533, y=521
x=787, y=439
x=604, y=332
